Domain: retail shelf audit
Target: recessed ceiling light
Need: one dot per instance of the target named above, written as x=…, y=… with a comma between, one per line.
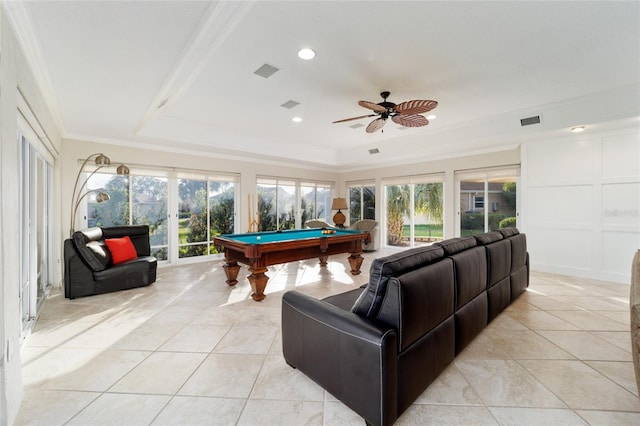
x=578, y=129
x=297, y=119
x=431, y=117
x=306, y=54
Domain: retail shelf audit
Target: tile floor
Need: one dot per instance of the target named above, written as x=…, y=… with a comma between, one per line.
x=189, y=350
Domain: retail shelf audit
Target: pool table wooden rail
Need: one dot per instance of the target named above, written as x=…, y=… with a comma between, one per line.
x=259, y=255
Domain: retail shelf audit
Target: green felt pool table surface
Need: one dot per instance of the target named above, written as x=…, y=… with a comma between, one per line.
x=293, y=234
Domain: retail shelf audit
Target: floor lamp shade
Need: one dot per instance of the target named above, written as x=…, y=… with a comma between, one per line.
x=339, y=218
x=78, y=195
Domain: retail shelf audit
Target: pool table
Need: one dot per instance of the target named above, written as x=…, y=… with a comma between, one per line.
x=261, y=249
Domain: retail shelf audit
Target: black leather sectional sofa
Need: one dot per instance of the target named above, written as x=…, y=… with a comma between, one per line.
x=88, y=264
x=377, y=349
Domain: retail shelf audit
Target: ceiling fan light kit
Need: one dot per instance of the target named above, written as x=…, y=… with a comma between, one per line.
x=406, y=114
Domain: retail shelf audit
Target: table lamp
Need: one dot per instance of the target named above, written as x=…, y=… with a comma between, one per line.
x=339, y=218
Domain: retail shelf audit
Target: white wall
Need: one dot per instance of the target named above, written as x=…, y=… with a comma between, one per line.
x=581, y=203
x=14, y=76
x=12, y=384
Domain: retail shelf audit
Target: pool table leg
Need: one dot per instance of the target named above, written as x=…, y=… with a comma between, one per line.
x=323, y=261
x=258, y=281
x=355, y=260
x=231, y=269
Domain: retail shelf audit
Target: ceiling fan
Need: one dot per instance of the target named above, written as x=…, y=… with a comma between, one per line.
x=405, y=113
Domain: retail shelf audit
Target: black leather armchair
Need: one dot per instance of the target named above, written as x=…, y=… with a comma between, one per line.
x=89, y=268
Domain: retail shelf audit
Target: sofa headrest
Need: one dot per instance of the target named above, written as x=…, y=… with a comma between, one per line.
x=91, y=248
x=509, y=232
x=139, y=235
x=456, y=245
x=488, y=238
x=384, y=268
x=122, y=231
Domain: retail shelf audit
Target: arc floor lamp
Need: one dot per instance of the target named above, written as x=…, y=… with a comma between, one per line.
x=77, y=195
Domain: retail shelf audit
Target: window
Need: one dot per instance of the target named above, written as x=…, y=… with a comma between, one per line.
x=414, y=210
x=193, y=214
x=362, y=201
x=149, y=196
x=115, y=211
x=315, y=201
x=184, y=210
x=276, y=204
x=487, y=200
x=206, y=208
x=288, y=204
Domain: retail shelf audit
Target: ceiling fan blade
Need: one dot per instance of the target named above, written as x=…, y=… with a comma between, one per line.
x=355, y=118
x=371, y=105
x=412, y=120
x=415, y=107
x=376, y=125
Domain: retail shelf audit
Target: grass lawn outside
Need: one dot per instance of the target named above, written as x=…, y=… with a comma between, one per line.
x=424, y=231
x=471, y=232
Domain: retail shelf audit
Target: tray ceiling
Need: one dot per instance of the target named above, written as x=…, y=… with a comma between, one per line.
x=179, y=75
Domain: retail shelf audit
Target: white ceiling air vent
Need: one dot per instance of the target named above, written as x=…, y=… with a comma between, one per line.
x=530, y=120
x=290, y=104
x=266, y=71
x=374, y=151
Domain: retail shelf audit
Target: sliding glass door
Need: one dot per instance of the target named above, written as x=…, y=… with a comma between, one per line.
x=315, y=202
x=206, y=208
x=487, y=200
x=35, y=217
x=184, y=211
x=414, y=210
x=149, y=195
x=192, y=218
x=287, y=204
x=362, y=202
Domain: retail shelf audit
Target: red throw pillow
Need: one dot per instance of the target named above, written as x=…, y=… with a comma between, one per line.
x=122, y=249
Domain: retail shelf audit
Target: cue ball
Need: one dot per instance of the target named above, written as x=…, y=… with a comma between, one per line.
x=258, y=237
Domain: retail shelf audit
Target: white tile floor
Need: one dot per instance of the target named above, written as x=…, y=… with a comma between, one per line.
x=189, y=350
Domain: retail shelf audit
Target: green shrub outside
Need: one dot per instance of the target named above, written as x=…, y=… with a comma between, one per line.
x=508, y=222
x=476, y=221
x=494, y=220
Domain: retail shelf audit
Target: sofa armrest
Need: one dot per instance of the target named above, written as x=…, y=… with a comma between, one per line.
x=351, y=357
x=77, y=275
